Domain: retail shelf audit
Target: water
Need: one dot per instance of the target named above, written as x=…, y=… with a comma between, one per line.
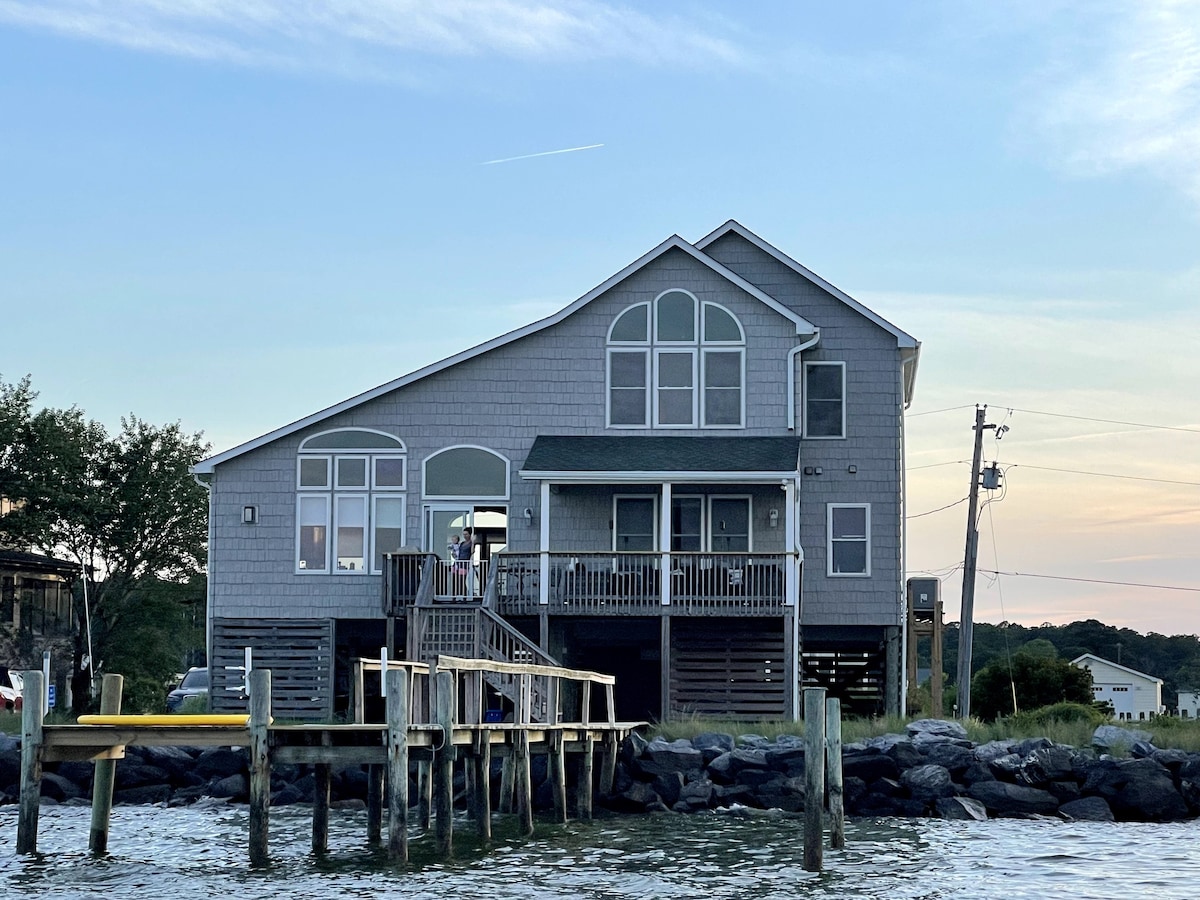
x=201, y=853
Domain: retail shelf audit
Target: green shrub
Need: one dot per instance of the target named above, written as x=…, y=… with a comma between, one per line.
x=1061, y=713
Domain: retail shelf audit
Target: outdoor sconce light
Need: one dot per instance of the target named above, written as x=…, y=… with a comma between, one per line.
x=528, y=516
x=773, y=518
x=249, y=515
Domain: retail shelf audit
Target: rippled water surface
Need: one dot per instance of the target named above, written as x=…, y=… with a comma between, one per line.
x=201, y=853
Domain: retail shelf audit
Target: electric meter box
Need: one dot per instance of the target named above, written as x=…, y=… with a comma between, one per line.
x=923, y=593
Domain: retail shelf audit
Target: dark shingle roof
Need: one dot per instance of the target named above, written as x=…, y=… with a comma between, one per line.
x=612, y=453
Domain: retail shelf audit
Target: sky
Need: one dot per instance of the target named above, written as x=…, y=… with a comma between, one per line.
x=233, y=213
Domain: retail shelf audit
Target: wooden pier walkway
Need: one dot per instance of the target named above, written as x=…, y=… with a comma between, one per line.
x=436, y=717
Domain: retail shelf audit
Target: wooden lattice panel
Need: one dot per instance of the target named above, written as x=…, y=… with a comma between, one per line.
x=733, y=670
x=299, y=653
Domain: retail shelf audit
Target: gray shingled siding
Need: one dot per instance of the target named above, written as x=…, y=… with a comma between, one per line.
x=554, y=382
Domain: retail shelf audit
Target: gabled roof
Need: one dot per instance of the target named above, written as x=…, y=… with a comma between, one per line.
x=1092, y=657
x=903, y=338
x=632, y=458
x=675, y=242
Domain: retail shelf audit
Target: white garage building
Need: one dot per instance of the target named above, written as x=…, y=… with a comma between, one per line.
x=1133, y=694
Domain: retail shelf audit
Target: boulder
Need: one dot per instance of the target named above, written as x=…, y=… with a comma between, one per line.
x=993, y=750
x=232, y=787
x=631, y=748
x=177, y=762
x=869, y=765
x=712, y=744
x=905, y=754
x=963, y=809
x=662, y=758
x=955, y=759
x=1114, y=739
x=135, y=776
x=1139, y=790
x=928, y=782
x=696, y=794
x=220, y=762
x=668, y=786
x=58, y=788
x=787, y=759
x=1047, y=764
x=143, y=794
x=727, y=767
x=637, y=798
x=781, y=793
x=1087, y=809
x=1004, y=799
x=942, y=729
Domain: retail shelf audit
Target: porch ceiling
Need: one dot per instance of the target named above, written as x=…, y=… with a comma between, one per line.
x=609, y=458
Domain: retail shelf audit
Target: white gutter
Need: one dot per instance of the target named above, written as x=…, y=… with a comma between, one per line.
x=791, y=379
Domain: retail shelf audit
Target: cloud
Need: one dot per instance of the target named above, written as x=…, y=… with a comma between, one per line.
x=1127, y=99
x=285, y=34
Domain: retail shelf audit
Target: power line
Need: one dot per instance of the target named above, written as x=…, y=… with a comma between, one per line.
x=1103, y=474
x=939, y=509
x=1161, y=587
x=953, y=462
x=1036, y=412
x=932, y=412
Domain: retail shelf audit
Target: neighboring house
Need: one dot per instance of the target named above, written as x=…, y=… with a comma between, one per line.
x=1133, y=694
x=35, y=594
x=1189, y=703
x=691, y=478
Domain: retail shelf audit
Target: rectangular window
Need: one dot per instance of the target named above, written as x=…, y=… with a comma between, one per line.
x=849, y=548
x=312, y=516
x=676, y=383
x=723, y=388
x=351, y=533
x=634, y=524
x=351, y=471
x=628, y=378
x=313, y=473
x=388, y=529
x=388, y=474
x=825, y=400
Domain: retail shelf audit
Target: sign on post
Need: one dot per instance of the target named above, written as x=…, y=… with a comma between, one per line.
x=50, y=696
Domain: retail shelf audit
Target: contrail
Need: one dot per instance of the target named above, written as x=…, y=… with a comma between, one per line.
x=492, y=162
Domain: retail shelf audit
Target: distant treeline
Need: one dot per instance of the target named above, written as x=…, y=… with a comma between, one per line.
x=1175, y=659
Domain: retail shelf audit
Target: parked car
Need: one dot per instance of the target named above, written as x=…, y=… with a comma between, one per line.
x=11, y=687
x=193, y=684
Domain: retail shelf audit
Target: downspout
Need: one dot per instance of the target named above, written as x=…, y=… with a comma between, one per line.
x=791, y=379
x=205, y=481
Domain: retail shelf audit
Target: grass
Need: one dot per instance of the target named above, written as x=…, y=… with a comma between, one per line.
x=1063, y=726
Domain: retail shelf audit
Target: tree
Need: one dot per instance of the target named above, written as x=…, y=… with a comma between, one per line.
x=1037, y=681
x=124, y=507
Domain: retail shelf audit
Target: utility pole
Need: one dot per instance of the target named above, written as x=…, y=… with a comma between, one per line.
x=966, y=624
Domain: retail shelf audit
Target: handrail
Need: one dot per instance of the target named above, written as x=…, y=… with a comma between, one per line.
x=426, y=590
x=491, y=591
x=488, y=665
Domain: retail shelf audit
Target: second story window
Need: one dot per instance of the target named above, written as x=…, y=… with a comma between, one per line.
x=825, y=400
x=676, y=363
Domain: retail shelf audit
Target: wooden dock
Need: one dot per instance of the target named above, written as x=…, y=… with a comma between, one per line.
x=436, y=718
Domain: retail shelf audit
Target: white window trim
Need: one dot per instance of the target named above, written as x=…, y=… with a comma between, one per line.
x=328, y=500
x=390, y=488
x=829, y=539
x=399, y=448
x=723, y=348
x=653, y=498
x=309, y=457
x=391, y=498
x=804, y=426
x=481, y=499
x=708, y=532
x=678, y=350
x=644, y=349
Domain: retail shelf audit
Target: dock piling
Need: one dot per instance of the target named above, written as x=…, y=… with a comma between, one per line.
x=833, y=764
x=814, y=777
x=443, y=763
x=260, y=764
x=105, y=770
x=31, y=761
x=397, y=778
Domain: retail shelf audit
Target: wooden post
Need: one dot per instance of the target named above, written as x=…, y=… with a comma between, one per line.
x=397, y=781
x=833, y=768
x=260, y=764
x=31, y=761
x=424, y=793
x=322, y=773
x=358, y=700
x=523, y=786
x=374, y=804
x=584, y=787
x=443, y=764
x=483, y=785
x=105, y=770
x=814, y=777
x=558, y=775
x=608, y=763
x=508, y=775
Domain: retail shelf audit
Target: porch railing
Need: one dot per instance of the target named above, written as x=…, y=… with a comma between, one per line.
x=616, y=583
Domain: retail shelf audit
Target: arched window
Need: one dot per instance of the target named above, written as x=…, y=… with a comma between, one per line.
x=350, y=501
x=474, y=473
x=676, y=363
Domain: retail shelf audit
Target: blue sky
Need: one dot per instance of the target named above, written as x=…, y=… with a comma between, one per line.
x=232, y=214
